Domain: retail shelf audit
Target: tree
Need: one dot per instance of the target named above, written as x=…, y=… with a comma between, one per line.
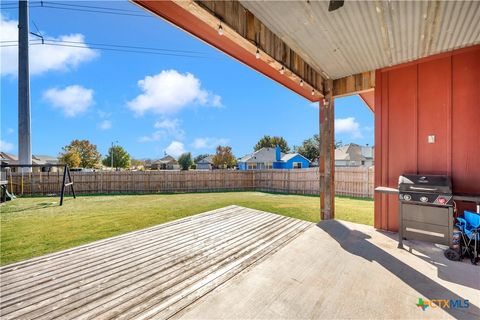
x=310, y=148
x=185, y=160
x=271, y=142
x=71, y=158
x=200, y=157
x=121, y=158
x=88, y=153
x=224, y=158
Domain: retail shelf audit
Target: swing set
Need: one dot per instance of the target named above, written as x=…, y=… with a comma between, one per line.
x=9, y=195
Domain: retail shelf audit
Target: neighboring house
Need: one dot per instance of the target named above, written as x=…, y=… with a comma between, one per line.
x=12, y=159
x=8, y=158
x=47, y=160
x=354, y=155
x=206, y=163
x=166, y=163
x=272, y=158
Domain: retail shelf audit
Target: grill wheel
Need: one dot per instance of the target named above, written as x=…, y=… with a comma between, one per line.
x=452, y=255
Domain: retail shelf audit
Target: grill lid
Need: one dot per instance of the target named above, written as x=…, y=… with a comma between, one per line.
x=425, y=183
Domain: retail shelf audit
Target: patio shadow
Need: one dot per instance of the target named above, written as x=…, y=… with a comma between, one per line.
x=355, y=242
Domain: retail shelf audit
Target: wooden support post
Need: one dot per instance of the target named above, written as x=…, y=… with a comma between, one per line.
x=327, y=154
x=64, y=180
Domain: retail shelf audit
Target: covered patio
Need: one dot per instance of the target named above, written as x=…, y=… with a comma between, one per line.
x=235, y=263
x=415, y=64
x=417, y=67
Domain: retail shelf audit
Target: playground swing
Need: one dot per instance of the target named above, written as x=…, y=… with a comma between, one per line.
x=7, y=195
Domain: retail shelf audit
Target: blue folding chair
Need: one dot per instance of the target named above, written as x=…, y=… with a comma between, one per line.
x=469, y=226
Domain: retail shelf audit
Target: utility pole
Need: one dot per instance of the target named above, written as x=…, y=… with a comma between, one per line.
x=24, y=142
x=111, y=154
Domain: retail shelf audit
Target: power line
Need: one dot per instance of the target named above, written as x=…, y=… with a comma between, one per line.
x=15, y=6
x=121, y=50
x=108, y=46
x=126, y=46
x=106, y=11
x=85, y=6
x=76, y=7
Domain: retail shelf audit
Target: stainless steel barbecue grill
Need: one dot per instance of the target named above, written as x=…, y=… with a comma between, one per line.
x=425, y=208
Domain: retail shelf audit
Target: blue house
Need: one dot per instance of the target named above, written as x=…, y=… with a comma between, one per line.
x=272, y=158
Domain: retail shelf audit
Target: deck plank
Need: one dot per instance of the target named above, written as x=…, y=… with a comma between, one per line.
x=101, y=260
x=66, y=288
x=154, y=272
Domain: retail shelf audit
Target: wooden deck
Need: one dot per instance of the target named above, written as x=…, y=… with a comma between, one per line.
x=155, y=272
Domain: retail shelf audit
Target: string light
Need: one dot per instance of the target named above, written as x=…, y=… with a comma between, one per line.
x=282, y=70
x=313, y=92
x=257, y=54
x=301, y=83
x=220, y=30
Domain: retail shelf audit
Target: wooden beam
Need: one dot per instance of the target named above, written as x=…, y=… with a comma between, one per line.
x=250, y=33
x=327, y=154
x=368, y=98
x=243, y=35
x=354, y=84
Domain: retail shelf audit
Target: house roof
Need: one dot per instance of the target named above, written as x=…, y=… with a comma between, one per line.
x=289, y=156
x=36, y=159
x=208, y=159
x=9, y=156
x=268, y=155
x=166, y=159
x=353, y=152
x=262, y=155
x=45, y=158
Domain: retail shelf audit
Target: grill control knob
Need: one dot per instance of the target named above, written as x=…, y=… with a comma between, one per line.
x=424, y=199
x=407, y=197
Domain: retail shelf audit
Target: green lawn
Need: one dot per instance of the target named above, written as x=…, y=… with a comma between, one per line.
x=36, y=226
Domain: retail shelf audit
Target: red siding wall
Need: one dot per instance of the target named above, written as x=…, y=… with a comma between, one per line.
x=438, y=95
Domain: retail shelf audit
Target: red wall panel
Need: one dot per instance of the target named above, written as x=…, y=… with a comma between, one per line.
x=401, y=139
x=433, y=96
x=466, y=122
x=433, y=116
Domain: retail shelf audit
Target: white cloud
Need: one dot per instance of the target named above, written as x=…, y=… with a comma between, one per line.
x=166, y=128
x=348, y=125
x=175, y=149
x=169, y=92
x=6, y=146
x=71, y=100
x=156, y=136
x=168, y=124
x=208, y=143
x=43, y=58
x=105, y=125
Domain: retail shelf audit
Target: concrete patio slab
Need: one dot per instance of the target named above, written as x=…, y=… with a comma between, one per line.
x=341, y=270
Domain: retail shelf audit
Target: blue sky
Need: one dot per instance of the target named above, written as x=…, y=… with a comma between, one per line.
x=151, y=103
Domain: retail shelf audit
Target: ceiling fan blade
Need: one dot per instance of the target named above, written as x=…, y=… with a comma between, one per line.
x=335, y=4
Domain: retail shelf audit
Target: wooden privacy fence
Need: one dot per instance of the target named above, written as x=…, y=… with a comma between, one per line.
x=356, y=182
